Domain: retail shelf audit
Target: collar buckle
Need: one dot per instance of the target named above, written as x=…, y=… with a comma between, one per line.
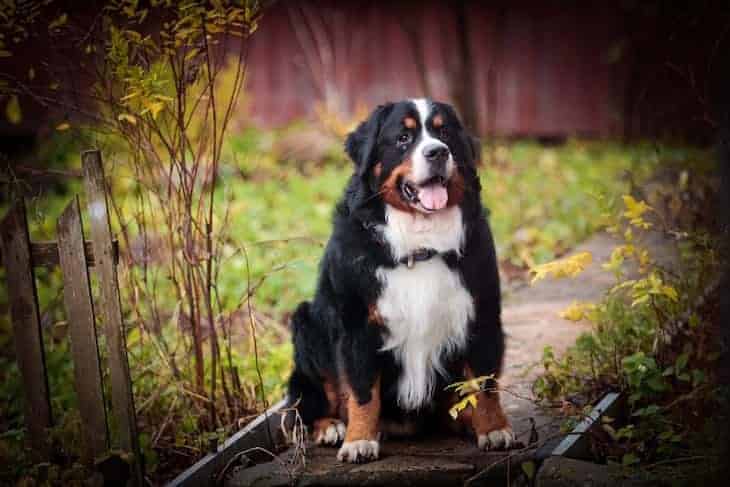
x=418, y=255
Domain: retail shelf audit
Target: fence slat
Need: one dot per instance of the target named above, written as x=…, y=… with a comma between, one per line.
x=45, y=254
x=101, y=237
x=15, y=243
x=84, y=348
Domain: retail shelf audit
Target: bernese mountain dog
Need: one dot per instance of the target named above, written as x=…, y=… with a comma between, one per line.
x=408, y=297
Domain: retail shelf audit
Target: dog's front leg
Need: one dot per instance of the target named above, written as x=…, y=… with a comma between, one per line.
x=362, y=381
x=484, y=358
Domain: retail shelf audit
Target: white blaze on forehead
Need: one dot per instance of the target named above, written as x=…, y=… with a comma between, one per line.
x=421, y=171
x=424, y=110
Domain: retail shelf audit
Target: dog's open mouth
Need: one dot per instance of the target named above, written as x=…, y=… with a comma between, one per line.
x=429, y=196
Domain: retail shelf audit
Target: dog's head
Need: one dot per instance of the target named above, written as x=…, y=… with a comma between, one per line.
x=413, y=154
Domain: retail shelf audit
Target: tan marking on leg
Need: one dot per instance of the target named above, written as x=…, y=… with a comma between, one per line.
x=363, y=419
x=488, y=414
x=490, y=424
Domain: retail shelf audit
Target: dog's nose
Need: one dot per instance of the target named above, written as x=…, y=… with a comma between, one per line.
x=436, y=153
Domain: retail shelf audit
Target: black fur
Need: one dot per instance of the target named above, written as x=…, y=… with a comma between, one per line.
x=332, y=337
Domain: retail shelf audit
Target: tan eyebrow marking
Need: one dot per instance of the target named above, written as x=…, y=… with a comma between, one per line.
x=438, y=121
x=409, y=122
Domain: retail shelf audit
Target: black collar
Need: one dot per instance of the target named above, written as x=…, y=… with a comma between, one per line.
x=451, y=257
x=419, y=255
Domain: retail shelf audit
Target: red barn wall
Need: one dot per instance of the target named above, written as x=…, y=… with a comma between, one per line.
x=537, y=70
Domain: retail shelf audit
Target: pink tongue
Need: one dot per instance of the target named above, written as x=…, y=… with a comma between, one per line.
x=433, y=196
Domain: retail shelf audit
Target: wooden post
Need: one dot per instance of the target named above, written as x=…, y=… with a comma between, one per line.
x=101, y=237
x=84, y=348
x=23, y=296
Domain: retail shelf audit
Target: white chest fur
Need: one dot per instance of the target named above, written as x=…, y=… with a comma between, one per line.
x=425, y=308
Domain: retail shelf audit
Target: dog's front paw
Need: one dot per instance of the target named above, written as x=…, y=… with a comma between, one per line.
x=499, y=439
x=329, y=431
x=359, y=451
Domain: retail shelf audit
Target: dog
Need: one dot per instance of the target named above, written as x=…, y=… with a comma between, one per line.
x=408, y=297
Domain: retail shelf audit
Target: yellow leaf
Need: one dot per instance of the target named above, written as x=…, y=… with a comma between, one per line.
x=60, y=21
x=63, y=126
x=126, y=117
x=471, y=385
x=129, y=96
x=453, y=412
x=634, y=209
x=576, y=311
x=629, y=235
x=154, y=108
x=670, y=293
x=12, y=111
x=634, y=212
x=567, y=267
x=471, y=399
x=623, y=285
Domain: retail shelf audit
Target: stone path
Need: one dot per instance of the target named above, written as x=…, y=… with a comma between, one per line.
x=531, y=322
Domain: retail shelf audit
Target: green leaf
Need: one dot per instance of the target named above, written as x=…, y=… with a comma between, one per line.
x=529, y=469
x=629, y=459
x=656, y=383
x=681, y=362
x=12, y=111
x=647, y=411
x=694, y=320
x=666, y=435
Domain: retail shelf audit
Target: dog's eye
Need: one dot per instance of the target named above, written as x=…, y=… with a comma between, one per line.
x=405, y=138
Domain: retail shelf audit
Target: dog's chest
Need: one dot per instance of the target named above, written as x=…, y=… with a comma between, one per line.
x=426, y=308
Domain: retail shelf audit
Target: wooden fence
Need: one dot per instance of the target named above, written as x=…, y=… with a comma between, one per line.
x=75, y=256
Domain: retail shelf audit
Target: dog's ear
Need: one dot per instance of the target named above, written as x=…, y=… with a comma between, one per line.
x=361, y=143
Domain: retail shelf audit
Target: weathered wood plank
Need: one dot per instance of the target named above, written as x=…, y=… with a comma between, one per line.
x=15, y=244
x=576, y=444
x=45, y=254
x=84, y=348
x=101, y=236
x=257, y=434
